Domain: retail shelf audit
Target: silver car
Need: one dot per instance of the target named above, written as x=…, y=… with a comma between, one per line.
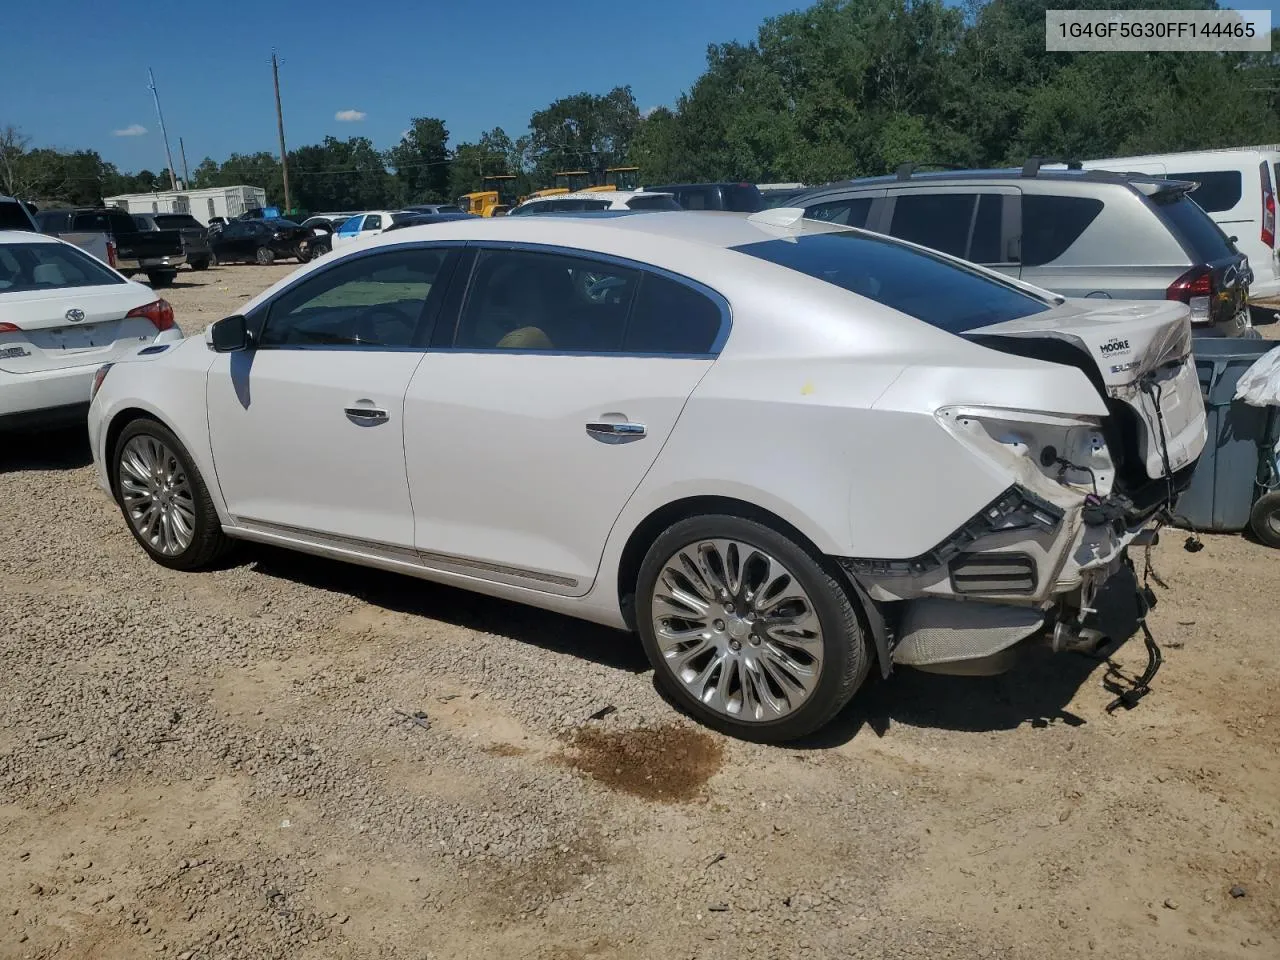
x=1078, y=233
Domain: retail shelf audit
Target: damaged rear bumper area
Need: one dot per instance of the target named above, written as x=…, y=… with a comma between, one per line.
x=1025, y=566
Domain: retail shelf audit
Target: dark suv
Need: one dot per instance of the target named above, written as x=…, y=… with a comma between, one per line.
x=1078, y=233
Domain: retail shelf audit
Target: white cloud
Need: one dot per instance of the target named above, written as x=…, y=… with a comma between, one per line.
x=645, y=114
x=350, y=116
x=132, y=130
x=404, y=134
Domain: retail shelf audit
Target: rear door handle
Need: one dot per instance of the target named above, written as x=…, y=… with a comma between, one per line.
x=615, y=432
x=367, y=416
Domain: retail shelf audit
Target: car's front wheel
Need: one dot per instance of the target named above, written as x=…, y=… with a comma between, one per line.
x=164, y=499
x=748, y=631
x=265, y=255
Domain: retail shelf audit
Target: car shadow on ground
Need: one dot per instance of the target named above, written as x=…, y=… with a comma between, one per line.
x=1035, y=691
x=462, y=608
x=63, y=448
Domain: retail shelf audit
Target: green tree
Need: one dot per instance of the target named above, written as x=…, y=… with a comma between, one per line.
x=583, y=132
x=421, y=161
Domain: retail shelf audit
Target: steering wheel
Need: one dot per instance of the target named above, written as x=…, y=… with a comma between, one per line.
x=368, y=322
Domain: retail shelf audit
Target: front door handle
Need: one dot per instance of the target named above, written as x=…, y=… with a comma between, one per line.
x=615, y=432
x=366, y=415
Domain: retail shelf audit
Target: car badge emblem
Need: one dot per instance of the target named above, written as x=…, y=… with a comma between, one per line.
x=75, y=314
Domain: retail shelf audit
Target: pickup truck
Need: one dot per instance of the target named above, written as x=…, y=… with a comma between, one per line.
x=157, y=253
x=195, y=238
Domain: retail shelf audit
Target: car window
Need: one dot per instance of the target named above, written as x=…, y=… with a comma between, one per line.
x=850, y=212
x=984, y=244
x=49, y=266
x=449, y=208
x=936, y=220
x=1198, y=234
x=1219, y=190
x=372, y=222
x=545, y=302
x=351, y=226
x=141, y=223
x=951, y=296
x=1050, y=225
x=176, y=221
x=13, y=217
x=112, y=223
x=698, y=198
x=742, y=198
x=526, y=209
x=373, y=302
x=671, y=318
x=653, y=201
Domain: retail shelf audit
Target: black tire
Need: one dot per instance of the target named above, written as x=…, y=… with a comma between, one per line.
x=159, y=280
x=303, y=255
x=209, y=543
x=264, y=256
x=213, y=259
x=846, y=654
x=199, y=264
x=1264, y=519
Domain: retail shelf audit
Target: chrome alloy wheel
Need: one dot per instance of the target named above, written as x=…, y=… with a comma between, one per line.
x=737, y=630
x=157, y=495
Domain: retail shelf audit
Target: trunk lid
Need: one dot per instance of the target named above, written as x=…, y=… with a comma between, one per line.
x=47, y=338
x=1140, y=357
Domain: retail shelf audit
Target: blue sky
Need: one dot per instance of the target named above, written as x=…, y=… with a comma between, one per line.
x=474, y=65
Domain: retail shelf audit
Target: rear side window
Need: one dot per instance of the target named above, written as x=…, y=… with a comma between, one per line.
x=176, y=221
x=1199, y=235
x=1052, y=224
x=653, y=201
x=946, y=295
x=852, y=212
x=936, y=220
x=1219, y=190
x=13, y=217
x=671, y=318
x=448, y=208
x=984, y=244
x=696, y=198
x=742, y=198
x=49, y=266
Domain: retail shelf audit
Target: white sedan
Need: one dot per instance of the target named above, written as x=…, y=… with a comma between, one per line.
x=63, y=314
x=784, y=452
x=362, y=226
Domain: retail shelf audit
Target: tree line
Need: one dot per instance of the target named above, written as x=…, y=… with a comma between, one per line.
x=843, y=88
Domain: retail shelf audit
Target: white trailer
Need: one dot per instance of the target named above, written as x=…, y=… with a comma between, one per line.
x=225, y=202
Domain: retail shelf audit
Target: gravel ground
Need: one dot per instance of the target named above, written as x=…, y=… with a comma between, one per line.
x=235, y=765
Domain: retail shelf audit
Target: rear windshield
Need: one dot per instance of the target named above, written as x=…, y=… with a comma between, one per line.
x=112, y=223
x=914, y=282
x=653, y=201
x=1200, y=236
x=13, y=217
x=176, y=221
x=49, y=266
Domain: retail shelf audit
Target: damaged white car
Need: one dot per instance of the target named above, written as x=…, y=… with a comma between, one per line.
x=784, y=452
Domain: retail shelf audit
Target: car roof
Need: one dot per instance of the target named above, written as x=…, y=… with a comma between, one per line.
x=26, y=236
x=931, y=177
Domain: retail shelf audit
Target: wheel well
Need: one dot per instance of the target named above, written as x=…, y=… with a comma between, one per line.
x=653, y=526
x=114, y=429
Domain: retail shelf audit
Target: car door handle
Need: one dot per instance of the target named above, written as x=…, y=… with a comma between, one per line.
x=367, y=416
x=615, y=432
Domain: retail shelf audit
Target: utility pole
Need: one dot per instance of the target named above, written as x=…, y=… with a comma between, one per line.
x=173, y=177
x=186, y=177
x=284, y=157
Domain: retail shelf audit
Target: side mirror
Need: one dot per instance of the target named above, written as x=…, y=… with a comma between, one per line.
x=230, y=335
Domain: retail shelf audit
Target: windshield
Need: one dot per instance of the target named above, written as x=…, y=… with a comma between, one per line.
x=49, y=266
x=941, y=293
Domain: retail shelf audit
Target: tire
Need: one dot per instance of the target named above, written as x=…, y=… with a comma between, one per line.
x=839, y=658
x=213, y=259
x=264, y=255
x=1264, y=519
x=199, y=264
x=303, y=255
x=207, y=542
x=159, y=281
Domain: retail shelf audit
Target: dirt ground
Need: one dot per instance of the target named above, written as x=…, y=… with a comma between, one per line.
x=291, y=757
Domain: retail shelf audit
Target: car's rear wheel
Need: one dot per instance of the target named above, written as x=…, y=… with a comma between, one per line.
x=164, y=499
x=1264, y=519
x=748, y=631
x=199, y=264
x=159, y=280
x=265, y=255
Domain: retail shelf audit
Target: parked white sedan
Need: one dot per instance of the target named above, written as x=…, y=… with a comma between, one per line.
x=362, y=226
x=782, y=451
x=63, y=314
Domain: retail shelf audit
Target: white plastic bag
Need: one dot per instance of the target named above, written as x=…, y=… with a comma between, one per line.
x=1260, y=385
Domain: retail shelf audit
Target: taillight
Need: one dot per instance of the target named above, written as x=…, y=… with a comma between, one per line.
x=1268, y=207
x=98, y=376
x=158, y=312
x=10, y=328
x=1194, y=288
x=111, y=254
